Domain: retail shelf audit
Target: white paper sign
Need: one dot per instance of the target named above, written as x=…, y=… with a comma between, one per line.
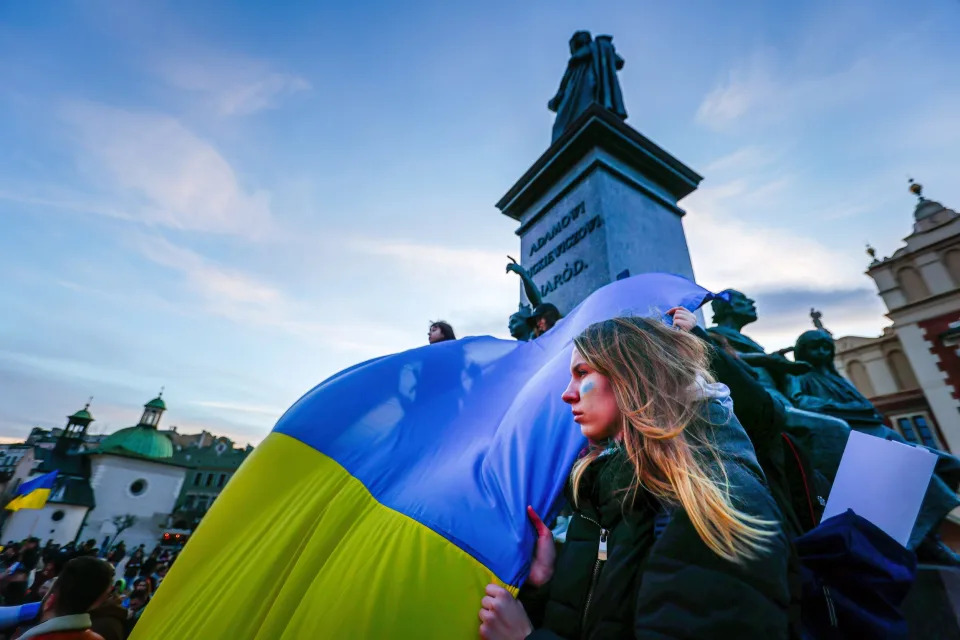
x=883, y=481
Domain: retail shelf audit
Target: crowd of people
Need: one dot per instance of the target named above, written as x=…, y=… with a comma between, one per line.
x=29, y=573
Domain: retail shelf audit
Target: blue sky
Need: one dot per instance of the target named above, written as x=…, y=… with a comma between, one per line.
x=235, y=200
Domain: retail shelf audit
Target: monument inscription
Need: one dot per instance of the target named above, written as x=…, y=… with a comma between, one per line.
x=561, y=248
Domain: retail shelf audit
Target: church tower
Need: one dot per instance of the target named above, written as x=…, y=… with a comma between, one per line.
x=152, y=412
x=75, y=431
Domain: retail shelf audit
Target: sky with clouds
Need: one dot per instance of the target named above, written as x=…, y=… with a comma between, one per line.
x=234, y=200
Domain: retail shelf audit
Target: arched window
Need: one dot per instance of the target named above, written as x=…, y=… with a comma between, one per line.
x=859, y=377
x=902, y=371
x=912, y=284
x=952, y=260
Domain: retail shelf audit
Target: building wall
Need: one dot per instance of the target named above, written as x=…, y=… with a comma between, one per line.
x=59, y=522
x=113, y=479
x=880, y=370
x=18, y=474
x=920, y=285
x=942, y=382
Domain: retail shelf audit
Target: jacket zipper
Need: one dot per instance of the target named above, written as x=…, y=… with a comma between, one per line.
x=601, y=558
x=831, y=611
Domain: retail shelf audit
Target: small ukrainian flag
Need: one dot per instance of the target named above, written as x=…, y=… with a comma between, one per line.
x=33, y=494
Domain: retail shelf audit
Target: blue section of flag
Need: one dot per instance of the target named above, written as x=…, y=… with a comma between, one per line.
x=463, y=435
x=45, y=481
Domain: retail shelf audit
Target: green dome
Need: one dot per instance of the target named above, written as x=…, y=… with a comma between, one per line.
x=157, y=403
x=141, y=441
x=82, y=415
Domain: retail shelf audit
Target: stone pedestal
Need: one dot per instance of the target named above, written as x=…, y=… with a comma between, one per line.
x=600, y=204
x=932, y=607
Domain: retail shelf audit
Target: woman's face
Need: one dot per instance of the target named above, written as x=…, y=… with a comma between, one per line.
x=592, y=401
x=435, y=335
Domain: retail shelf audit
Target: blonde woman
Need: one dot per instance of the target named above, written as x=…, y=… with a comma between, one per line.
x=674, y=533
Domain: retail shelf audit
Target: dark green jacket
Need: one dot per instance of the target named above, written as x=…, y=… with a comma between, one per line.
x=659, y=579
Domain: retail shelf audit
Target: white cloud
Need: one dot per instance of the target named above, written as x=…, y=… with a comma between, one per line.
x=163, y=173
x=764, y=89
x=232, y=86
x=245, y=299
x=225, y=290
x=730, y=253
x=458, y=262
x=233, y=407
x=742, y=159
x=738, y=94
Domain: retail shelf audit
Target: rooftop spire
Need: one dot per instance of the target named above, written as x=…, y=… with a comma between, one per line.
x=916, y=188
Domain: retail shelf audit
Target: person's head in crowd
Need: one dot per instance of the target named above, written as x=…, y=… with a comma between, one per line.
x=50, y=572
x=52, y=568
x=544, y=316
x=142, y=588
x=140, y=595
x=440, y=331
x=120, y=586
x=83, y=584
x=635, y=382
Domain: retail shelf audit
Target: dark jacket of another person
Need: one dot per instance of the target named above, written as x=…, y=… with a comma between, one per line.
x=659, y=579
x=800, y=492
x=110, y=620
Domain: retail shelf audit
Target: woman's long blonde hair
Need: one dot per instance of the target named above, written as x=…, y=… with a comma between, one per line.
x=654, y=371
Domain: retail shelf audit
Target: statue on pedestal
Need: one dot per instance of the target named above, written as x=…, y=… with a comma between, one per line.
x=731, y=315
x=541, y=318
x=591, y=77
x=817, y=319
x=519, y=322
x=823, y=389
x=821, y=407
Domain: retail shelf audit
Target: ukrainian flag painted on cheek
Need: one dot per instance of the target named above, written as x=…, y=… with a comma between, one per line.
x=388, y=497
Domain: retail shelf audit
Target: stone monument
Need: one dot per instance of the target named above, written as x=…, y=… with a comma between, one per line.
x=601, y=202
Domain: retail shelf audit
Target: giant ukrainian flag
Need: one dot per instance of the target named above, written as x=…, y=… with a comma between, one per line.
x=386, y=499
x=33, y=494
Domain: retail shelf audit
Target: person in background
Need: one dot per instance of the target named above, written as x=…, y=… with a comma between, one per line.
x=118, y=554
x=132, y=570
x=110, y=618
x=83, y=585
x=44, y=580
x=15, y=586
x=150, y=564
x=30, y=553
x=544, y=316
x=67, y=551
x=10, y=556
x=50, y=551
x=440, y=331
x=137, y=601
x=157, y=576
x=89, y=548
